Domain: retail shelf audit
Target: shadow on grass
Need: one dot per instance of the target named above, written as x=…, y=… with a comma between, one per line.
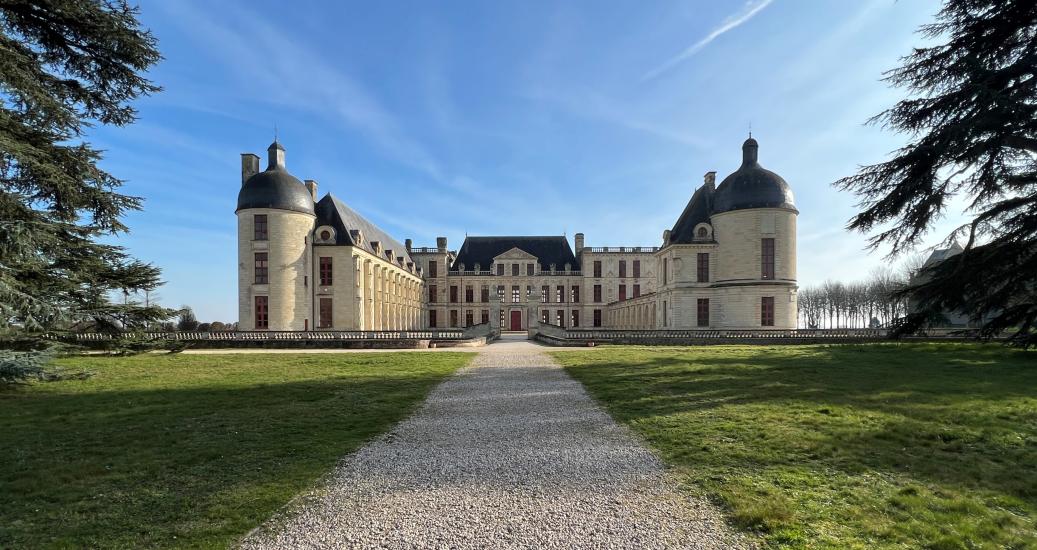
x=194, y=466
x=957, y=420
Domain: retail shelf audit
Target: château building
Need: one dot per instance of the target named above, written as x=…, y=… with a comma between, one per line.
x=305, y=263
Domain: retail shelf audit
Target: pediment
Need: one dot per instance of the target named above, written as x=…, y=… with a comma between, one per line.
x=515, y=253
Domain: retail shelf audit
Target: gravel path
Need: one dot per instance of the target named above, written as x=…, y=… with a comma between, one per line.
x=510, y=452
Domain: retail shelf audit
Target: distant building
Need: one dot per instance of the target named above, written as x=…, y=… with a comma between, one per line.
x=948, y=319
x=307, y=264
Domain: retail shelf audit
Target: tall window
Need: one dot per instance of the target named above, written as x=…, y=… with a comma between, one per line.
x=545, y=317
x=637, y=268
x=703, y=312
x=529, y=292
x=560, y=294
x=575, y=294
x=432, y=291
x=597, y=293
x=597, y=317
x=514, y=270
x=432, y=318
x=262, y=312
x=545, y=294
x=485, y=317
x=501, y=319
x=261, y=269
x=767, y=311
x=637, y=290
x=469, y=319
x=515, y=294
x=767, y=257
x=325, y=313
x=622, y=292
x=529, y=269
x=453, y=294
x=665, y=266
x=703, y=267
x=575, y=319
x=433, y=268
x=259, y=224
x=469, y=294
x=666, y=316
x=560, y=317
x=500, y=293
x=453, y=318
x=622, y=269
x=484, y=294
x=597, y=268
x=500, y=269
x=325, y=271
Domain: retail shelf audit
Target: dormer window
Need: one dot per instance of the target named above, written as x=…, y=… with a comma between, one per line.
x=568, y=266
x=703, y=232
x=477, y=266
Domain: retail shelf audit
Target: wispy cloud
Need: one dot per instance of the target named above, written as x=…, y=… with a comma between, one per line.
x=751, y=8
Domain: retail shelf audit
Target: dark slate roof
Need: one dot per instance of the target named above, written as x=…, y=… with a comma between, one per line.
x=331, y=211
x=698, y=211
x=752, y=186
x=548, y=250
x=275, y=188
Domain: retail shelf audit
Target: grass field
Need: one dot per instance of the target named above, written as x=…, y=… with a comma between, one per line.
x=879, y=446
x=189, y=450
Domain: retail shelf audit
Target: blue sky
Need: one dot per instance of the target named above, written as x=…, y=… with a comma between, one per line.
x=505, y=118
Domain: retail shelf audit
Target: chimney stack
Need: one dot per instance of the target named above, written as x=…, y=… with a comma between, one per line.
x=711, y=180
x=407, y=244
x=666, y=237
x=579, y=242
x=311, y=186
x=249, y=166
x=275, y=156
x=441, y=243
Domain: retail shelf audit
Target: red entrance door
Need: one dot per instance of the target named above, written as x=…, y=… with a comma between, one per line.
x=516, y=320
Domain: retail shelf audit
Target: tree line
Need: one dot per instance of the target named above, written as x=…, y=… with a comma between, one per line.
x=875, y=302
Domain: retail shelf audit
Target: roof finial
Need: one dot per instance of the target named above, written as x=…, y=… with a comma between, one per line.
x=750, y=129
x=275, y=133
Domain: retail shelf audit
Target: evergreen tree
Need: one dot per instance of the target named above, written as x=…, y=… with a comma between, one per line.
x=66, y=65
x=971, y=114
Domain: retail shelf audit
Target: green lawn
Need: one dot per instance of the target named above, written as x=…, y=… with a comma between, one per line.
x=876, y=446
x=189, y=450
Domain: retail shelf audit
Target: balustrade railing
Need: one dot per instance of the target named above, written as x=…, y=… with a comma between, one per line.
x=261, y=335
x=627, y=249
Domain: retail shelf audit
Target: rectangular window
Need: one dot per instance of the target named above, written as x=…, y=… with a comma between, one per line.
x=529, y=293
x=261, y=269
x=469, y=319
x=637, y=290
x=545, y=294
x=703, y=312
x=622, y=292
x=767, y=311
x=453, y=318
x=432, y=318
x=500, y=293
x=560, y=294
x=500, y=269
x=469, y=294
x=514, y=270
x=432, y=291
x=597, y=317
x=666, y=317
x=545, y=317
x=485, y=317
x=529, y=269
x=575, y=294
x=453, y=294
x=575, y=319
x=597, y=293
x=325, y=313
x=767, y=257
x=484, y=294
x=665, y=265
x=703, y=267
x=515, y=295
x=560, y=317
x=259, y=224
x=637, y=268
x=433, y=268
x=325, y=271
x=622, y=269
x=262, y=313
x=597, y=268
x=501, y=325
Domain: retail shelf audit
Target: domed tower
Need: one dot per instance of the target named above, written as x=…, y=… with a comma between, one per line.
x=275, y=219
x=754, y=223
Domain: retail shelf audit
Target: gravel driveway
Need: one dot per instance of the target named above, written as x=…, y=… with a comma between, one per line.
x=509, y=452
